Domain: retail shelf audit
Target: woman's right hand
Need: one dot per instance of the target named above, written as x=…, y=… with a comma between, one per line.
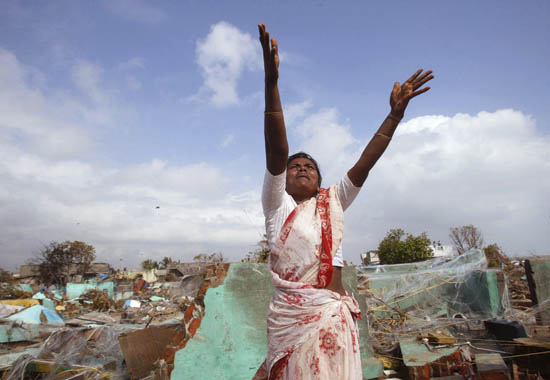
x=271, y=56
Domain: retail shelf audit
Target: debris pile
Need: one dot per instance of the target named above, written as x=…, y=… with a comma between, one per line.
x=459, y=317
x=456, y=317
x=97, y=299
x=100, y=328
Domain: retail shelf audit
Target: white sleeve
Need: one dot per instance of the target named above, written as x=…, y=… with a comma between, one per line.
x=347, y=192
x=273, y=191
x=338, y=259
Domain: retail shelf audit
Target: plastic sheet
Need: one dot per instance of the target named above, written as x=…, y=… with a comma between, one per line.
x=94, y=352
x=407, y=298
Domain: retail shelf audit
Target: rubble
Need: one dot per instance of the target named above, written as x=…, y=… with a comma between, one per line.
x=91, y=329
x=98, y=299
x=458, y=316
x=13, y=291
x=452, y=318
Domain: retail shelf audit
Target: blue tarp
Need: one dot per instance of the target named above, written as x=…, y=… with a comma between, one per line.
x=25, y=287
x=33, y=313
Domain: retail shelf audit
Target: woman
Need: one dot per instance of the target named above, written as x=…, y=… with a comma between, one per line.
x=312, y=333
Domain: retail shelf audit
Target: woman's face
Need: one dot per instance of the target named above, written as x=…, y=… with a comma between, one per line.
x=302, y=180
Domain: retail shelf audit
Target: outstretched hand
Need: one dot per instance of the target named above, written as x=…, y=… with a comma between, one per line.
x=401, y=94
x=271, y=55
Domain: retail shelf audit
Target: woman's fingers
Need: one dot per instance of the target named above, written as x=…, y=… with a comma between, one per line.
x=395, y=88
x=274, y=46
x=413, y=77
x=264, y=36
x=419, y=92
x=423, y=79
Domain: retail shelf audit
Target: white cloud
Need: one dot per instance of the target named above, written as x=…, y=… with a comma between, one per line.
x=116, y=209
x=222, y=56
x=44, y=124
x=326, y=138
x=87, y=77
x=490, y=169
x=296, y=111
x=49, y=193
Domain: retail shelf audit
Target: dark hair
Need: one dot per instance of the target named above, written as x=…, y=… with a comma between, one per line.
x=305, y=155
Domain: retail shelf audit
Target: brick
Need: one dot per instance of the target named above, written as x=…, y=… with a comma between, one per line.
x=189, y=313
x=193, y=326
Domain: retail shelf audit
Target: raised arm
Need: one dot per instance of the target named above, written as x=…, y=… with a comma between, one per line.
x=399, y=99
x=276, y=144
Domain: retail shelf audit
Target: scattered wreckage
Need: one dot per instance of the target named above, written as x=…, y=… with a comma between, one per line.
x=452, y=318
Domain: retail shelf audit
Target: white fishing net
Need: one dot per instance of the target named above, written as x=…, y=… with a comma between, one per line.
x=409, y=298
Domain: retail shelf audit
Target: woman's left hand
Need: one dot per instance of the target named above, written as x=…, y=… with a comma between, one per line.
x=402, y=93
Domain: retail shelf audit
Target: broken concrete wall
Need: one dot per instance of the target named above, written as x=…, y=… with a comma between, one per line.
x=537, y=271
x=76, y=290
x=231, y=342
x=436, y=288
x=150, y=275
x=29, y=270
x=123, y=292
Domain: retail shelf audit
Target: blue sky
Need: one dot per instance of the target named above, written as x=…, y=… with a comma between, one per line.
x=109, y=109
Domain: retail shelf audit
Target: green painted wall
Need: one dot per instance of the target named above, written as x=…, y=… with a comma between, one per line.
x=463, y=285
x=541, y=277
x=76, y=290
x=231, y=341
x=18, y=333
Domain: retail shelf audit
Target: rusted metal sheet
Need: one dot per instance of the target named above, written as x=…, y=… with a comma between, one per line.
x=491, y=367
x=143, y=348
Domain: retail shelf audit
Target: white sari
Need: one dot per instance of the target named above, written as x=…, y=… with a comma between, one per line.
x=312, y=333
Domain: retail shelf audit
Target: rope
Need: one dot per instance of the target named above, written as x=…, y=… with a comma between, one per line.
x=442, y=363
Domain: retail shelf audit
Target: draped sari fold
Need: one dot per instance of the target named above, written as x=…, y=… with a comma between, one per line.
x=312, y=333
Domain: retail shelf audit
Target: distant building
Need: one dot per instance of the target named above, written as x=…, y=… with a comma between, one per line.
x=29, y=270
x=72, y=273
x=442, y=250
x=370, y=257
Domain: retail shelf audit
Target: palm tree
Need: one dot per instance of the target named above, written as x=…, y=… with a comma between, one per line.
x=165, y=263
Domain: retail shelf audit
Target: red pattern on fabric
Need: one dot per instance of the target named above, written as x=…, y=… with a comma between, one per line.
x=289, y=275
x=329, y=342
x=309, y=319
x=305, y=247
x=325, y=268
x=353, y=341
x=314, y=366
x=287, y=226
x=343, y=322
x=293, y=299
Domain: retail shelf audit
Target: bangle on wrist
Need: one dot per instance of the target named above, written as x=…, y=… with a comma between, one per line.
x=273, y=112
x=383, y=135
x=394, y=118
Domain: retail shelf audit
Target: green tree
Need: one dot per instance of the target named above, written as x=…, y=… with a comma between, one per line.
x=213, y=258
x=5, y=276
x=56, y=258
x=149, y=264
x=465, y=238
x=495, y=256
x=393, y=249
x=260, y=254
x=165, y=263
